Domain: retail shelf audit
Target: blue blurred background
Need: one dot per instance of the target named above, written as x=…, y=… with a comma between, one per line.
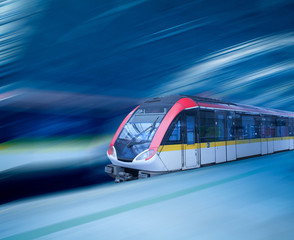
x=71, y=70
x=123, y=51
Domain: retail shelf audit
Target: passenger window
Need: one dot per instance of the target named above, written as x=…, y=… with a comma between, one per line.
x=230, y=128
x=220, y=129
x=291, y=127
x=278, y=128
x=190, y=129
x=257, y=127
x=207, y=126
x=268, y=127
x=285, y=127
x=248, y=127
x=176, y=133
x=239, y=128
x=287, y=130
x=282, y=131
x=263, y=128
x=272, y=127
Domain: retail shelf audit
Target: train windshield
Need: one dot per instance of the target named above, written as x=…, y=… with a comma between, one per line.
x=138, y=132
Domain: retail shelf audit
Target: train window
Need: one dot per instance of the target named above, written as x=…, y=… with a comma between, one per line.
x=207, y=126
x=220, y=127
x=230, y=128
x=286, y=129
x=282, y=129
x=278, y=128
x=271, y=127
x=239, y=127
x=248, y=126
x=267, y=127
x=291, y=127
x=263, y=127
x=175, y=136
x=257, y=127
x=190, y=129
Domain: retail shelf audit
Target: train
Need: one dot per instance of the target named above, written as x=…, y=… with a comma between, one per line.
x=181, y=132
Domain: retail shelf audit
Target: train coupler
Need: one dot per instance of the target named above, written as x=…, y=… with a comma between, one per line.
x=120, y=174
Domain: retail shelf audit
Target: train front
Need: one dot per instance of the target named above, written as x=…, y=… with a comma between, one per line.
x=133, y=149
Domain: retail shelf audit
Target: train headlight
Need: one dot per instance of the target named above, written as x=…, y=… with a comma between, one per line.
x=111, y=151
x=147, y=154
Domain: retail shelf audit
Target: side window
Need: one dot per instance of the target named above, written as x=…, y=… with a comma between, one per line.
x=291, y=127
x=220, y=127
x=175, y=136
x=207, y=126
x=190, y=129
x=279, y=127
x=239, y=128
x=268, y=131
x=248, y=127
x=285, y=129
x=257, y=127
x=263, y=128
x=230, y=128
x=271, y=127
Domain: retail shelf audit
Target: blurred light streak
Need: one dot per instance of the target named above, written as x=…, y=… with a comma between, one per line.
x=55, y=151
x=170, y=32
x=281, y=101
x=269, y=94
x=252, y=78
x=15, y=30
x=115, y=10
x=8, y=95
x=202, y=72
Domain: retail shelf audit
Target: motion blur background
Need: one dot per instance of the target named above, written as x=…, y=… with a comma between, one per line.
x=71, y=70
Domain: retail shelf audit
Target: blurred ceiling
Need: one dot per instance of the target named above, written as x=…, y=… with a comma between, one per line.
x=235, y=50
x=65, y=103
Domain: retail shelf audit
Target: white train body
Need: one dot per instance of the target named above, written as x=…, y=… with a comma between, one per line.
x=185, y=132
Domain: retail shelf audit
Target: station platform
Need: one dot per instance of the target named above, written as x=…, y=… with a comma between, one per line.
x=246, y=199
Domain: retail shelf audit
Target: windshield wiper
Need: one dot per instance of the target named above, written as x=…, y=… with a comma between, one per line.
x=152, y=127
x=132, y=143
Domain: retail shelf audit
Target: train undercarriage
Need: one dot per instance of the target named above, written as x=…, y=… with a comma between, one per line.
x=121, y=174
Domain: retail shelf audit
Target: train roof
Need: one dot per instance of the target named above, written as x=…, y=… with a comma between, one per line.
x=217, y=104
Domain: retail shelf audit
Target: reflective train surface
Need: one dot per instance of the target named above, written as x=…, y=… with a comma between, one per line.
x=184, y=132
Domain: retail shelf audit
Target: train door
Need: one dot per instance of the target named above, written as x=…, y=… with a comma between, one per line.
x=191, y=149
x=207, y=136
x=171, y=151
x=264, y=139
x=230, y=137
x=220, y=143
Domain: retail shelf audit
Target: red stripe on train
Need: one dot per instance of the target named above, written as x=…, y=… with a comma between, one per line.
x=121, y=126
x=170, y=116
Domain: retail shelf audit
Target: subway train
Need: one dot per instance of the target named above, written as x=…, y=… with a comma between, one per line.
x=182, y=132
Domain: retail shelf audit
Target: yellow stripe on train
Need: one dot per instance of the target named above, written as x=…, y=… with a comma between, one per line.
x=177, y=147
